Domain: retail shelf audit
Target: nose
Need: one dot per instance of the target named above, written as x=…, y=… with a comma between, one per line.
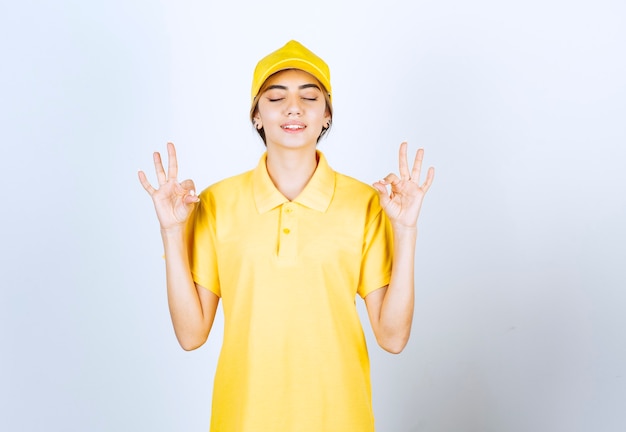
x=294, y=106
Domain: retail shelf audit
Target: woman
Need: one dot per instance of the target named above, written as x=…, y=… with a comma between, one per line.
x=287, y=246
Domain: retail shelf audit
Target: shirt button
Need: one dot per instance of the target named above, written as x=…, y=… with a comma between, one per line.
x=289, y=210
x=286, y=231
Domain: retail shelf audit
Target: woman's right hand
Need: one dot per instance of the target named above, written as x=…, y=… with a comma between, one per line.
x=173, y=201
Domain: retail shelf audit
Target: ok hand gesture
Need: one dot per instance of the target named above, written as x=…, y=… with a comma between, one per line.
x=173, y=201
x=403, y=203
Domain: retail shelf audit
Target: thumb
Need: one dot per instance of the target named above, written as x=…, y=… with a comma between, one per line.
x=188, y=185
x=189, y=189
x=383, y=195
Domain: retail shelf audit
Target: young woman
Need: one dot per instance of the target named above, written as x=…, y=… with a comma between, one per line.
x=287, y=246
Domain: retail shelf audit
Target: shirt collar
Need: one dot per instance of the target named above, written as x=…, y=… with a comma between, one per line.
x=317, y=194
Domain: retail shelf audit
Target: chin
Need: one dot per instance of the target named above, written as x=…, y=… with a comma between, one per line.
x=294, y=142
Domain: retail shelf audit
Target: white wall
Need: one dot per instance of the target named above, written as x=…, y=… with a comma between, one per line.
x=521, y=106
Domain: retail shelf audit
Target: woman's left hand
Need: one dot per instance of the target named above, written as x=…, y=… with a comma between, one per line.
x=404, y=200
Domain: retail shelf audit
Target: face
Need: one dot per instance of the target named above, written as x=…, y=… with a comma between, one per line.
x=292, y=110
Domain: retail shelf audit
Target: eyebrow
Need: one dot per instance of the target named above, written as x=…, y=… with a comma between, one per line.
x=302, y=87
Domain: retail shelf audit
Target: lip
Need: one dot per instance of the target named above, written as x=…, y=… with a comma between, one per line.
x=293, y=127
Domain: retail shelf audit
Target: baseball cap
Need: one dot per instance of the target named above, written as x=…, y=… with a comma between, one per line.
x=293, y=55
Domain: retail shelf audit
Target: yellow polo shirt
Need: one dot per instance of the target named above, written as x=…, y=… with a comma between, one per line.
x=294, y=356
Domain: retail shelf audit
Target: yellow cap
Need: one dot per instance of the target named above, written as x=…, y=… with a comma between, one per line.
x=293, y=55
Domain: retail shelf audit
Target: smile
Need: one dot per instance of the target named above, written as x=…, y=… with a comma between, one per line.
x=293, y=127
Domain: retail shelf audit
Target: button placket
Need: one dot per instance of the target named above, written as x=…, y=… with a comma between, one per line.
x=288, y=232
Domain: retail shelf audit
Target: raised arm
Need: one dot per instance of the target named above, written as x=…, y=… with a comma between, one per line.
x=192, y=307
x=390, y=308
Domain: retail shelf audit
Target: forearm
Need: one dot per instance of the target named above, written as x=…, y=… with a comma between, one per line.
x=188, y=318
x=396, y=311
x=391, y=308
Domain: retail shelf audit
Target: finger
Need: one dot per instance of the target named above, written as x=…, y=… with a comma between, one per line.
x=417, y=165
x=172, y=168
x=145, y=183
x=188, y=191
x=158, y=167
x=188, y=185
x=380, y=186
x=403, y=163
x=383, y=194
x=391, y=179
x=430, y=176
x=191, y=198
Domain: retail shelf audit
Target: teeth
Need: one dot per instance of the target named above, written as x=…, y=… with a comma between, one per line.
x=293, y=127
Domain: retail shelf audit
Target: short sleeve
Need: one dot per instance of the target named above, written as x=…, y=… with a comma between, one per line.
x=201, y=244
x=377, y=252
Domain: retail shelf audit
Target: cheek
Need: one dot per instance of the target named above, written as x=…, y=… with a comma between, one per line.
x=267, y=114
x=319, y=112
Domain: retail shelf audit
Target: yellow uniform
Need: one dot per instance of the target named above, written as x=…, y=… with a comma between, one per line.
x=294, y=356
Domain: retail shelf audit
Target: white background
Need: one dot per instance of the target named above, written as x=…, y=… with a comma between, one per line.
x=521, y=106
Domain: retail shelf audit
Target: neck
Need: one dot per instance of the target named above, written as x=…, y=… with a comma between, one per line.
x=290, y=171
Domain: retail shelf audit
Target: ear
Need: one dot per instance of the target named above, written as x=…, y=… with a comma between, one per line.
x=327, y=120
x=258, y=124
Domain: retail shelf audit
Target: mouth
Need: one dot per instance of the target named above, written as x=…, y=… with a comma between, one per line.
x=293, y=127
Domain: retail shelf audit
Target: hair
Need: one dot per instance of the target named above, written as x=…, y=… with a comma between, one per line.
x=255, y=105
